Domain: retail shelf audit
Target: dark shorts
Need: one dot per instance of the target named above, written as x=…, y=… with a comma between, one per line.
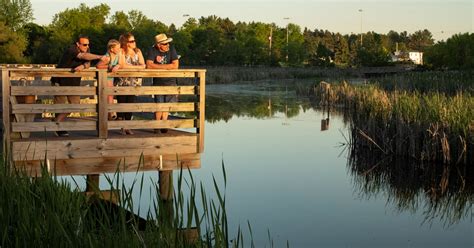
x=166, y=98
x=165, y=82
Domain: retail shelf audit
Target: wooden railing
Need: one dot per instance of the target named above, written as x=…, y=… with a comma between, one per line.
x=100, y=107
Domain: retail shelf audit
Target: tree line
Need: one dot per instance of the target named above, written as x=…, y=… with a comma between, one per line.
x=216, y=41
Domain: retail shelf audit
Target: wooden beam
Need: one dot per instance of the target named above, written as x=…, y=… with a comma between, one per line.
x=52, y=91
x=202, y=109
x=54, y=126
x=92, y=182
x=112, y=164
x=101, y=148
x=166, y=185
x=52, y=108
x=150, y=73
x=150, y=90
x=6, y=110
x=102, y=106
x=151, y=107
x=151, y=124
x=30, y=72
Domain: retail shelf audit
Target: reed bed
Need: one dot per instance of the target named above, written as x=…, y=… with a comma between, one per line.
x=45, y=212
x=432, y=126
x=449, y=82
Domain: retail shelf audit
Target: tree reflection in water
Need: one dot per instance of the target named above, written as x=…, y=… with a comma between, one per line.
x=443, y=192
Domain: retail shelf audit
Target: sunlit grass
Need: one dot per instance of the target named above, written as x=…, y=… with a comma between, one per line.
x=44, y=212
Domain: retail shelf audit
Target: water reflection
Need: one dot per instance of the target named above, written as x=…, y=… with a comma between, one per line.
x=444, y=193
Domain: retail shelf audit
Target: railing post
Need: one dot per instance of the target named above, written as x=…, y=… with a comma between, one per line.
x=102, y=104
x=202, y=108
x=6, y=110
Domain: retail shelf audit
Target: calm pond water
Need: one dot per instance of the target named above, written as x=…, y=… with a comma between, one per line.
x=287, y=177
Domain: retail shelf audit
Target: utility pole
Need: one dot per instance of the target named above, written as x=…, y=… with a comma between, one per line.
x=287, y=50
x=270, y=43
x=360, y=10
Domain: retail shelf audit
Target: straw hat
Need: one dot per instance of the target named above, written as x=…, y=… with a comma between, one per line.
x=162, y=39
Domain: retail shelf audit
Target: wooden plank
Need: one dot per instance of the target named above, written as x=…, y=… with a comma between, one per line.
x=23, y=117
x=6, y=110
x=50, y=73
x=145, y=124
x=151, y=107
x=98, y=148
x=84, y=166
x=52, y=108
x=102, y=106
x=151, y=90
x=153, y=73
x=52, y=90
x=202, y=109
x=54, y=126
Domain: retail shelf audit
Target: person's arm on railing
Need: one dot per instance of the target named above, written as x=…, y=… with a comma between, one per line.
x=103, y=63
x=151, y=65
x=89, y=56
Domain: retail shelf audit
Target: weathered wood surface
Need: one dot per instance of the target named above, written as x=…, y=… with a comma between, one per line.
x=54, y=126
x=142, y=124
x=113, y=164
x=102, y=150
x=97, y=148
x=202, y=109
x=52, y=108
x=151, y=107
x=150, y=90
x=53, y=91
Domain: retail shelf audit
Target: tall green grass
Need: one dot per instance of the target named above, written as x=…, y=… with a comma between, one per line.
x=46, y=212
x=449, y=82
x=430, y=126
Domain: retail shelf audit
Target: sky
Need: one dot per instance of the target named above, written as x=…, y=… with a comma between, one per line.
x=442, y=17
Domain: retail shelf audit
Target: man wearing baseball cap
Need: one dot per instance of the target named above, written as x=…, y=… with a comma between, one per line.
x=163, y=56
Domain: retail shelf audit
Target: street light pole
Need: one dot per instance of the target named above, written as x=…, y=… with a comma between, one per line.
x=287, y=50
x=360, y=10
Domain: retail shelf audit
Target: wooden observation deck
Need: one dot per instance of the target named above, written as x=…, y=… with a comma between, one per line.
x=95, y=144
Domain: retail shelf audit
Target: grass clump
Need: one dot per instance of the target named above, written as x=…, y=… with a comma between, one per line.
x=45, y=212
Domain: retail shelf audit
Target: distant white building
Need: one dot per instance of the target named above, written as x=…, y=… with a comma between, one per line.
x=416, y=57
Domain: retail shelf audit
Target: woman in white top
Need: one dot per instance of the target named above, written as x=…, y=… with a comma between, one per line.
x=132, y=58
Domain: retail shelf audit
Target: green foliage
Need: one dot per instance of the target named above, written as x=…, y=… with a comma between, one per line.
x=372, y=53
x=420, y=40
x=15, y=13
x=12, y=45
x=456, y=52
x=215, y=41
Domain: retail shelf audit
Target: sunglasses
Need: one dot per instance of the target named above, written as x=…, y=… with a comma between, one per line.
x=85, y=45
x=131, y=41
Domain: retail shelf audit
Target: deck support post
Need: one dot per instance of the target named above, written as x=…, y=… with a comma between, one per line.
x=6, y=110
x=102, y=113
x=202, y=109
x=92, y=182
x=166, y=185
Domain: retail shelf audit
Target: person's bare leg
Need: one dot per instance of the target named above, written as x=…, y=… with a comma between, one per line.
x=110, y=100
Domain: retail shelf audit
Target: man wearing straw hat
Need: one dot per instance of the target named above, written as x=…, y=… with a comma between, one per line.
x=163, y=56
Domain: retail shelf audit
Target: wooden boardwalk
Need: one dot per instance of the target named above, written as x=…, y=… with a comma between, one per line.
x=95, y=145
